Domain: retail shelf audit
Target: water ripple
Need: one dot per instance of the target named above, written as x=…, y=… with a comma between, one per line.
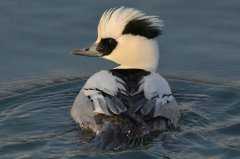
x=37, y=123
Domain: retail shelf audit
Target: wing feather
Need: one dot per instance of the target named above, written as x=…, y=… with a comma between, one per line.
x=161, y=102
x=104, y=95
x=153, y=98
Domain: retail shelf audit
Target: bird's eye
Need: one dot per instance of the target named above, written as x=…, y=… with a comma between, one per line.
x=106, y=46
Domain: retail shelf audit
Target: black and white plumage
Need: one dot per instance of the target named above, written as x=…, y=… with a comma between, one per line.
x=132, y=98
x=122, y=91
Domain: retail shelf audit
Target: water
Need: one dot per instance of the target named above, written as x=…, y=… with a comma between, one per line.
x=39, y=78
x=37, y=124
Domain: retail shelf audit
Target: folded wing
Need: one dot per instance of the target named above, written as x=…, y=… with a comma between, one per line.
x=161, y=102
x=109, y=96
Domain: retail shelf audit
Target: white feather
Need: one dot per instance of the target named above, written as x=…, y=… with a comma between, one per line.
x=131, y=51
x=113, y=21
x=135, y=52
x=105, y=82
x=154, y=85
x=157, y=89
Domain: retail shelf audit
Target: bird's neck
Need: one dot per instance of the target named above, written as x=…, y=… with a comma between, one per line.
x=151, y=68
x=138, y=53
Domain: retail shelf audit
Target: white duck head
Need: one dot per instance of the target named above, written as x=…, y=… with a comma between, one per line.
x=127, y=37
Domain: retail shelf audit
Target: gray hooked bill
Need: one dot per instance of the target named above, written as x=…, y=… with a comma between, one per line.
x=91, y=51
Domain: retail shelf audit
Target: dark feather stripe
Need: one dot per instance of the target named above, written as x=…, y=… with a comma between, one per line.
x=142, y=27
x=131, y=77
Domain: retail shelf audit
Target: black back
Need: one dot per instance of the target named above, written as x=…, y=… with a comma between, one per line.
x=131, y=77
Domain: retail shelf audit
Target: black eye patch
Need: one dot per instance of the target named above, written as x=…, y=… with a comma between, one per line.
x=106, y=46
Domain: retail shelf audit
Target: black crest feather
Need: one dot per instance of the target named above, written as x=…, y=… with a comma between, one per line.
x=117, y=21
x=143, y=27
